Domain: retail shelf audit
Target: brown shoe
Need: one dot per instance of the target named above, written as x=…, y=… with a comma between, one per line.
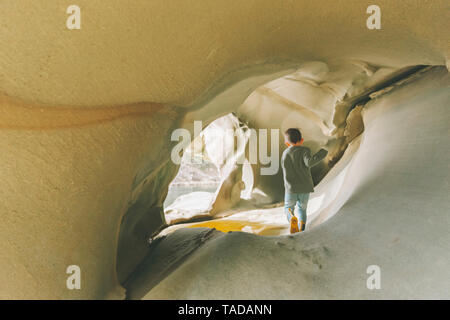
x=294, y=225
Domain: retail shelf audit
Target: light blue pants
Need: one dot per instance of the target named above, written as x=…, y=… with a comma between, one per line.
x=299, y=199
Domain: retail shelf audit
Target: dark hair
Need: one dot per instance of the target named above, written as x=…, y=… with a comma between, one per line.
x=293, y=135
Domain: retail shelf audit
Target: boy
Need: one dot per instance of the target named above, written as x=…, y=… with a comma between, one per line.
x=296, y=162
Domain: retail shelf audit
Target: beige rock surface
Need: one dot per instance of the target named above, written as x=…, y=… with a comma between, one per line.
x=86, y=117
x=391, y=210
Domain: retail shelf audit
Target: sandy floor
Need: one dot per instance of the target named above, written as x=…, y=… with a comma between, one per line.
x=262, y=222
x=266, y=221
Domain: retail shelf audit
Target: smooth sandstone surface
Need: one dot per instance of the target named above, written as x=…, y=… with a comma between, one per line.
x=392, y=211
x=172, y=51
x=86, y=118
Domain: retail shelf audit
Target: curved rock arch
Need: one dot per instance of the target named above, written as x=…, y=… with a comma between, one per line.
x=68, y=180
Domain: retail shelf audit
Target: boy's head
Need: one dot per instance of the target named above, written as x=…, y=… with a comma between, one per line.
x=293, y=137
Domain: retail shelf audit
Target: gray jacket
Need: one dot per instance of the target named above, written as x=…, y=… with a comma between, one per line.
x=296, y=162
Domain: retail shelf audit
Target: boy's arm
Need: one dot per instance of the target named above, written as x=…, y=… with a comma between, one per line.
x=311, y=161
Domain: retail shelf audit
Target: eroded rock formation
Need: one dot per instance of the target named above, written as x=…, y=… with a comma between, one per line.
x=86, y=118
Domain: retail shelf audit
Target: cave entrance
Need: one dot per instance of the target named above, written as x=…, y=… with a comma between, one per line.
x=215, y=185
x=192, y=191
x=327, y=110
x=211, y=182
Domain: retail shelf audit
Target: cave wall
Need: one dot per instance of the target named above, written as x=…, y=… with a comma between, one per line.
x=391, y=210
x=58, y=176
x=86, y=115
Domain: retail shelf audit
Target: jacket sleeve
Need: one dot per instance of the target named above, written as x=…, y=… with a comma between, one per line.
x=311, y=161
